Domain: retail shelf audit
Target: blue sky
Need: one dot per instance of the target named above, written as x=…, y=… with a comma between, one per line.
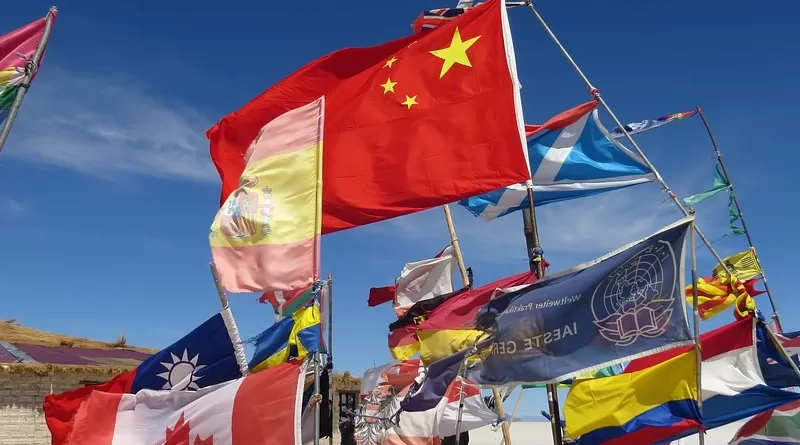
x=107, y=190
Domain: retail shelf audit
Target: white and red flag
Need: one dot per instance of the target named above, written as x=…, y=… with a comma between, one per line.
x=262, y=408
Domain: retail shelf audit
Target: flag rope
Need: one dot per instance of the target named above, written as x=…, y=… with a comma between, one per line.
x=718, y=155
x=596, y=94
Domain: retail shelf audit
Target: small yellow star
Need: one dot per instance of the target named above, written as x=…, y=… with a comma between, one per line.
x=410, y=101
x=455, y=53
x=388, y=86
x=390, y=62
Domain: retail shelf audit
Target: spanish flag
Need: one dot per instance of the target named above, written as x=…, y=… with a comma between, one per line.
x=291, y=338
x=266, y=236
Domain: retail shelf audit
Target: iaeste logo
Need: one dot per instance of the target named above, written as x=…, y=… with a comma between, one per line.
x=635, y=300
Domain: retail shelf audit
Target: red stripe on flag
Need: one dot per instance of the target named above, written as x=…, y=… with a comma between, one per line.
x=265, y=405
x=96, y=419
x=654, y=434
x=562, y=120
x=60, y=409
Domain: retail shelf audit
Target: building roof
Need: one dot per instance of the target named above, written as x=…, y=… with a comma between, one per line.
x=23, y=345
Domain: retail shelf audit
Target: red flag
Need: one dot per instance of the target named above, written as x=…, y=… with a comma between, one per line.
x=380, y=295
x=412, y=124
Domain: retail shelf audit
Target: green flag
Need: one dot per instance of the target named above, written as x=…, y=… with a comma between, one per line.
x=734, y=217
x=719, y=185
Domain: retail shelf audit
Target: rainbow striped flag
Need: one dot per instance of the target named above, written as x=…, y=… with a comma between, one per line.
x=16, y=48
x=266, y=236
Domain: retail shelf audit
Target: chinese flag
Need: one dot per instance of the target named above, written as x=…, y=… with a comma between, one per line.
x=409, y=125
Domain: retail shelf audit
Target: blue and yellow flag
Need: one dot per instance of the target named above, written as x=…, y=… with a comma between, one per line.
x=291, y=338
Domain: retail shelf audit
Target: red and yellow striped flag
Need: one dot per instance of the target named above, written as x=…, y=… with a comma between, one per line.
x=716, y=294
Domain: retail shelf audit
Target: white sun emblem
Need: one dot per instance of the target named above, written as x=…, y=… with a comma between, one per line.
x=180, y=372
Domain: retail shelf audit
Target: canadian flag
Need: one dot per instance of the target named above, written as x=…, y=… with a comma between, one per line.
x=262, y=408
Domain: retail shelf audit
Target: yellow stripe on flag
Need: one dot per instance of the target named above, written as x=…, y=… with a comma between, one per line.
x=438, y=344
x=266, y=235
x=614, y=401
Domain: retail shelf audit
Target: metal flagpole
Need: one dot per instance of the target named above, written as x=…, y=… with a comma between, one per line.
x=739, y=209
x=30, y=70
x=461, y=382
x=330, y=353
x=498, y=400
x=596, y=93
x=535, y=263
x=223, y=299
x=317, y=360
x=696, y=310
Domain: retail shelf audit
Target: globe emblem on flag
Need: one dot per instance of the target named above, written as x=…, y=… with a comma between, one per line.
x=635, y=300
x=247, y=211
x=180, y=372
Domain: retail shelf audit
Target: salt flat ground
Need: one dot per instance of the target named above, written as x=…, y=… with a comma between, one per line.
x=538, y=433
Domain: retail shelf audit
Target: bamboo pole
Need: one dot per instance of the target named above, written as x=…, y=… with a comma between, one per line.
x=501, y=412
x=596, y=94
x=696, y=318
x=30, y=70
x=739, y=209
x=456, y=246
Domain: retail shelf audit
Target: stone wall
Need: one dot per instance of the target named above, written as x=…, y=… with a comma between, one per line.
x=21, y=397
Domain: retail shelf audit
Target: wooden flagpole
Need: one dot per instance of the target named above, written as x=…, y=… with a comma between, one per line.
x=535, y=263
x=30, y=70
x=596, y=94
x=498, y=400
x=739, y=209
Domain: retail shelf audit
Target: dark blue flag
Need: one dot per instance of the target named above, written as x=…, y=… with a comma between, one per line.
x=208, y=355
x=777, y=371
x=626, y=304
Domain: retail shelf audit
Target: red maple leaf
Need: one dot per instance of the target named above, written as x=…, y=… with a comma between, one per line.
x=179, y=434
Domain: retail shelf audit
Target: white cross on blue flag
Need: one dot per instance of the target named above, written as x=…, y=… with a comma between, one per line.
x=571, y=156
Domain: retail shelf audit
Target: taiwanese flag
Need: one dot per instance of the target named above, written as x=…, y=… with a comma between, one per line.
x=409, y=125
x=208, y=355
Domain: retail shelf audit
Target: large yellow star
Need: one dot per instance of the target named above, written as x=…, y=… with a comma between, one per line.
x=389, y=62
x=455, y=53
x=388, y=86
x=410, y=101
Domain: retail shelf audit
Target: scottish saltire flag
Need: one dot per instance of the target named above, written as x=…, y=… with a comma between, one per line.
x=649, y=124
x=570, y=156
x=624, y=305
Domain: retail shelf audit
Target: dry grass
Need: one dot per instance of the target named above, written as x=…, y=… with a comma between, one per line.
x=43, y=369
x=346, y=382
x=12, y=332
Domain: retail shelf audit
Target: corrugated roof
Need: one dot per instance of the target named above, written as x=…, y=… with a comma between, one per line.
x=82, y=356
x=7, y=357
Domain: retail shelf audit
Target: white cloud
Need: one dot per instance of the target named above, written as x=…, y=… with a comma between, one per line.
x=13, y=207
x=107, y=127
x=594, y=225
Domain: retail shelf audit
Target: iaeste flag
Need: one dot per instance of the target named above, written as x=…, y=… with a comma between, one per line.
x=233, y=413
x=266, y=236
x=624, y=305
x=405, y=122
